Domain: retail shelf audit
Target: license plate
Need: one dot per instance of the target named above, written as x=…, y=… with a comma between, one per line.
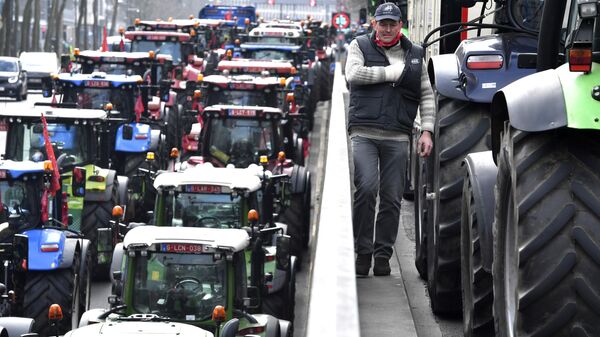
x=35, y=80
x=1, y=89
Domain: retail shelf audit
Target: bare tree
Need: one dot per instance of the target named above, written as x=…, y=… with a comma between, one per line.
x=26, y=27
x=35, y=37
x=6, y=22
x=81, y=19
x=14, y=48
x=50, y=27
x=95, y=29
x=113, y=22
x=58, y=30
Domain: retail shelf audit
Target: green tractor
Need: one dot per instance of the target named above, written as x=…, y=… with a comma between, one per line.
x=530, y=228
x=188, y=275
x=74, y=135
x=211, y=197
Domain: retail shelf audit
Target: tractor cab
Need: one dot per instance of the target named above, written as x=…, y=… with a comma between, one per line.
x=71, y=132
x=176, y=44
x=266, y=43
x=239, y=135
x=116, y=93
x=183, y=274
x=123, y=63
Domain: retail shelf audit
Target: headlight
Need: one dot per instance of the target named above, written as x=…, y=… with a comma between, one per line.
x=587, y=8
x=13, y=79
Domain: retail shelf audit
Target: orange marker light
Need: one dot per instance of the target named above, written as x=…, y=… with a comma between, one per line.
x=197, y=93
x=48, y=166
x=117, y=211
x=76, y=51
x=252, y=215
x=55, y=312
x=199, y=78
x=281, y=156
x=174, y=153
x=218, y=314
x=151, y=54
x=108, y=107
x=282, y=81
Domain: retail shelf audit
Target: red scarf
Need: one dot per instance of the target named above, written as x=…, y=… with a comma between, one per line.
x=387, y=44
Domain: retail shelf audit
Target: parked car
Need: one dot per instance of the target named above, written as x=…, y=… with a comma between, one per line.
x=13, y=78
x=38, y=66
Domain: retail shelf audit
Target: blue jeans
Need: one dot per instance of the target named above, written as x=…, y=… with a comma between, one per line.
x=379, y=168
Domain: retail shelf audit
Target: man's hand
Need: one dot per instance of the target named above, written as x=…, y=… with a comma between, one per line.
x=425, y=144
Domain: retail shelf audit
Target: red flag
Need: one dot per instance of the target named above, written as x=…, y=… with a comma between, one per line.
x=104, y=40
x=122, y=45
x=55, y=182
x=138, y=108
x=53, y=100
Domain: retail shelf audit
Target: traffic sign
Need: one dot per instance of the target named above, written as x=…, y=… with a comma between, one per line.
x=340, y=20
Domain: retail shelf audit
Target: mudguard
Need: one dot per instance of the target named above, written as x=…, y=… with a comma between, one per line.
x=50, y=260
x=285, y=327
x=123, y=184
x=117, y=261
x=443, y=73
x=154, y=139
x=91, y=317
x=140, y=141
x=272, y=325
x=451, y=77
x=17, y=326
x=101, y=194
x=529, y=106
x=481, y=171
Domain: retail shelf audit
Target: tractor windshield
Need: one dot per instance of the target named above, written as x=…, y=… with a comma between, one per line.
x=95, y=98
x=242, y=97
x=206, y=210
x=20, y=197
x=270, y=54
x=70, y=143
x=240, y=141
x=183, y=287
x=172, y=48
x=528, y=13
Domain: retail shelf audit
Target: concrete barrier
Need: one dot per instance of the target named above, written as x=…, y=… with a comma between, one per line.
x=333, y=307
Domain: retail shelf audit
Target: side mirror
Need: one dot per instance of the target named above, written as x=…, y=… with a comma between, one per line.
x=21, y=251
x=253, y=299
x=2, y=288
x=282, y=256
x=78, y=182
x=117, y=285
x=104, y=242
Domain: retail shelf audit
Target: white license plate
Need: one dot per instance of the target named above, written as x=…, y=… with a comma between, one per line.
x=35, y=80
x=1, y=89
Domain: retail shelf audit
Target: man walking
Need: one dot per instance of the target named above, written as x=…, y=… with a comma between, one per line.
x=388, y=83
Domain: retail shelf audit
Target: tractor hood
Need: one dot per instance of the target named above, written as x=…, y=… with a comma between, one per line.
x=126, y=329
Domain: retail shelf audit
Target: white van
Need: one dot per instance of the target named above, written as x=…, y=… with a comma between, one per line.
x=38, y=65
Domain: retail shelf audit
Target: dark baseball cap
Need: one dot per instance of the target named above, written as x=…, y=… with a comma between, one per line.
x=388, y=11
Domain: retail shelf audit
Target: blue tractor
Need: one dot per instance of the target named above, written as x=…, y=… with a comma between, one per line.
x=43, y=261
x=464, y=83
x=127, y=137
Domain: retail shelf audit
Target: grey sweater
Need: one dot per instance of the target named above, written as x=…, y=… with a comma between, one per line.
x=357, y=73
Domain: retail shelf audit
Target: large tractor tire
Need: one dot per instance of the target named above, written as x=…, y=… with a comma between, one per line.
x=174, y=133
x=422, y=216
x=461, y=128
x=141, y=200
x=297, y=216
x=98, y=215
x=63, y=287
x=282, y=303
x=478, y=296
x=547, y=225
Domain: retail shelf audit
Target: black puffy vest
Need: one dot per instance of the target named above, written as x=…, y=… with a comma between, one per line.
x=387, y=105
